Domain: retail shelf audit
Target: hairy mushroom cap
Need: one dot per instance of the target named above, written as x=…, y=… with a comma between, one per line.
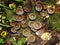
x=37, y=25
x=27, y=8
x=19, y=17
x=19, y=11
x=32, y=16
x=17, y=26
x=44, y=13
x=12, y=23
x=38, y=6
x=44, y=5
x=26, y=32
x=31, y=38
x=51, y=10
x=13, y=30
x=24, y=25
x=30, y=23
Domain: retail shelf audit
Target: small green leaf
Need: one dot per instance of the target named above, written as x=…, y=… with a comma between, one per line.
x=19, y=0
x=22, y=41
x=5, y=25
x=9, y=15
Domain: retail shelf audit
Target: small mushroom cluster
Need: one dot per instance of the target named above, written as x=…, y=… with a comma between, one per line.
x=26, y=23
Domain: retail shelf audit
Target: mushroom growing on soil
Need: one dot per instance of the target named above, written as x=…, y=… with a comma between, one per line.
x=24, y=25
x=31, y=38
x=36, y=42
x=27, y=8
x=44, y=13
x=38, y=6
x=19, y=17
x=17, y=26
x=12, y=23
x=37, y=25
x=26, y=32
x=51, y=9
x=32, y=16
x=13, y=30
x=19, y=11
x=44, y=5
x=30, y=23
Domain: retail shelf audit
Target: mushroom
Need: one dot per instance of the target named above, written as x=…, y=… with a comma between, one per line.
x=36, y=42
x=38, y=6
x=26, y=32
x=44, y=5
x=30, y=23
x=32, y=16
x=37, y=25
x=40, y=32
x=27, y=8
x=31, y=38
x=19, y=11
x=19, y=17
x=12, y=23
x=44, y=13
x=33, y=2
x=13, y=30
x=24, y=25
x=51, y=10
x=23, y=21
x=17, y=26
x=33, y=29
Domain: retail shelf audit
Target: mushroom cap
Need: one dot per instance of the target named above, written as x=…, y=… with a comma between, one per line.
x=19, y=17
x=26, y=32
x=44, y=13
x=31, y=38
x=12, y=23
x=50, y=10
x=32, y=16
x=24, y=25
x=17, y=26
x=13, y=30
x=23, y=21
x=38, y=7
x=27, y=8
x=30, y=23
x=37, y=25
x=34, y=30
x=19, y=11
